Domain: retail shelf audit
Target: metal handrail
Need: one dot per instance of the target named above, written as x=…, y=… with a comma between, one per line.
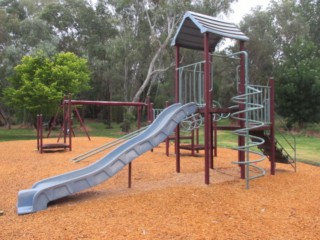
x=293, y=145
x=108, y=145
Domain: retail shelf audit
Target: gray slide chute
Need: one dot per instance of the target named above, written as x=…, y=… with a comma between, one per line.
x=47, y=190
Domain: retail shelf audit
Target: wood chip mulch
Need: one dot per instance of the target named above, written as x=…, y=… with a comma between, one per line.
x=161, y=204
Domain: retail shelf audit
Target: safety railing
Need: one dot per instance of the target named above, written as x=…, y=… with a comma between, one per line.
x=156, y=112
x=191, y=83
x=260, y=114
x=287, y=142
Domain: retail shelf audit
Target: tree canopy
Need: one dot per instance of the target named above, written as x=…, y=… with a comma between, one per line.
x=39, y=83
x=126, y=44
x=284, y=43
x=298, y=78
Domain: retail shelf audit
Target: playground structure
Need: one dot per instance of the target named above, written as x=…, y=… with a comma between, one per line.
x=254, y=105
x=254, y=112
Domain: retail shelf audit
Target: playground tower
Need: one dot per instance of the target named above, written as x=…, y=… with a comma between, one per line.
x=254, y=105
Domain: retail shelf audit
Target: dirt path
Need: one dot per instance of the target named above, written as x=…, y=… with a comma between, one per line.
x=161, y=203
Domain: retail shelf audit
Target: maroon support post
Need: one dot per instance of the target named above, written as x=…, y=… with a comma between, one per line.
x=151, y=112
x=139, y=117
x=207, y=115
x=192, y=143
x=70, y=123
x=82, y=123
x=130, y=164
x=241, y=90
x=148, y=103
x=177, y=132
x=210, y=115
x=215, y=136
x=41, y=133
x=129, y=174
x=168, y=138
x=53, y=122
x=38, y=135
x=272, y=128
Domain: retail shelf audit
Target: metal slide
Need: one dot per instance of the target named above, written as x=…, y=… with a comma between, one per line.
x=47, y=190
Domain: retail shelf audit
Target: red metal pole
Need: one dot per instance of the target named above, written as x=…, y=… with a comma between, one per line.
x=129, y=174
x=167, y=139
x=53, y=122
x=65, y=116
x=192, y=143
x=272, y=128
x=139, y=117
x=212, y=131
x=130, y=164
x=82, y=123
x=38, y=135
x=211, y=120
x=148, y=109
x=69, y=124
x=177, y=132
x=151, y=112
x=41, y=134
x=241, y=90
x=207, y=120
x=215, y=139
x=197, y=138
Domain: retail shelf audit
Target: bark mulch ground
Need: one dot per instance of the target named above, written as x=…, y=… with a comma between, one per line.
x=161, y=204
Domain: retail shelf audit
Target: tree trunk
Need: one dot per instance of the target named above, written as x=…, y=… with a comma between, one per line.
x=151, y=69
x=6, y=118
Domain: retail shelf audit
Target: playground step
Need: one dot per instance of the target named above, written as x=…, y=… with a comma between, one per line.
x=280, y=155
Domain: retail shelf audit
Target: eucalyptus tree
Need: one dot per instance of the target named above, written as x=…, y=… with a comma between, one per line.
x=145, y=30
x=86, y=30
x=262, y=46
x=22, y=33
x=310, y=10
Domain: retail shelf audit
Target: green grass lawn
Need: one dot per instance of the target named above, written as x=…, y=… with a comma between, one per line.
x=95, y=128
x=308, y=147
x=17, y=133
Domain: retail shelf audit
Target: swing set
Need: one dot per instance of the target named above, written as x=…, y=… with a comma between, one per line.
x=66, y=131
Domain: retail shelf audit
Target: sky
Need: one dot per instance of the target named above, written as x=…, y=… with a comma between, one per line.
x=240, y=9
x=243, y=7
